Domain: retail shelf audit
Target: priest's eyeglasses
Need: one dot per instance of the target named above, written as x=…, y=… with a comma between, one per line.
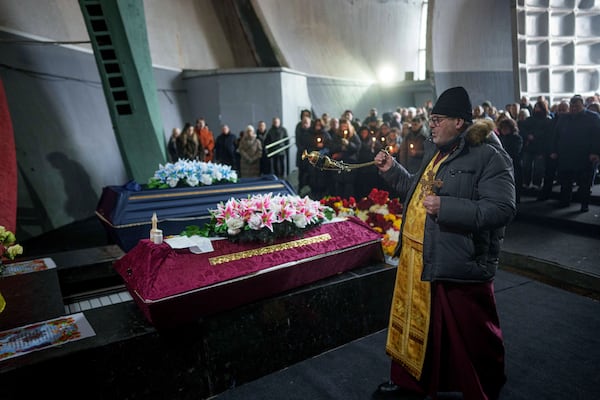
x=436, y=121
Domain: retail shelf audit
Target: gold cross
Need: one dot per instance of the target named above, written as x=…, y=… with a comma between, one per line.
x=428, y=183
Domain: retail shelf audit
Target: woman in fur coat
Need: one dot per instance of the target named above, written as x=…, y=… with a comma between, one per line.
x=250, y=150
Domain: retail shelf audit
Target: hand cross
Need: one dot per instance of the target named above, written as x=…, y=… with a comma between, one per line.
x=428, y=183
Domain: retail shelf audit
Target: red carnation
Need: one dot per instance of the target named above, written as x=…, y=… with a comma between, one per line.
x=395, y=207
x=376, y=219
x=380, y=197
x=365, y=203
x=352, y=202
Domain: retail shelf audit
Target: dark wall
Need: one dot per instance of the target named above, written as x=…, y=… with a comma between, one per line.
x=66, y=147
x=494, y=86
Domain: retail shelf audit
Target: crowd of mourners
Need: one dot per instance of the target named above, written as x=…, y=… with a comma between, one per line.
x=550, y=144
x=253, y=152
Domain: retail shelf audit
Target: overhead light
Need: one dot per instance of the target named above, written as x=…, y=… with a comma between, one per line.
x=386, y=74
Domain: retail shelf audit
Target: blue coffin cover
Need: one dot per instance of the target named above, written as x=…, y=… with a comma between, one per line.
x=127, y=215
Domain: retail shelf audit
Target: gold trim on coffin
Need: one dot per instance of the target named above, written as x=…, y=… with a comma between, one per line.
x=204, y=192
x=107, y=222
x=240, y=255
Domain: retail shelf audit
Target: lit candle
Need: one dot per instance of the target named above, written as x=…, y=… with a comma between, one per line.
x=156, y=235
x=154, y=223
x=319, y=140
x=411, y=146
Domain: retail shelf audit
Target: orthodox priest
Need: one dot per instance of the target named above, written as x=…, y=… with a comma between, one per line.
x=444, y=334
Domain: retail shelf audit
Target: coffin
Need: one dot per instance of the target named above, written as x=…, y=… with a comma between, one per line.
x=175, y=286
x=126, y=215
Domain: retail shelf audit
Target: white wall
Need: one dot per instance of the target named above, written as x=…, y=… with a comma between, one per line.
x=342, y=38
x=181, y=33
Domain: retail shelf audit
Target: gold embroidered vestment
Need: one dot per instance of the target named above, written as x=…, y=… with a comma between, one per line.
x=410, y=314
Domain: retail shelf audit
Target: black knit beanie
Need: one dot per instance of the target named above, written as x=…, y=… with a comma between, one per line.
x=454, y=102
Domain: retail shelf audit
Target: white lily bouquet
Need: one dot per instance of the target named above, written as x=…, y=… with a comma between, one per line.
x=263, y=218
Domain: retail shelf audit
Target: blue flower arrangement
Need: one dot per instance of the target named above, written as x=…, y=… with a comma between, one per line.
x=191, y=173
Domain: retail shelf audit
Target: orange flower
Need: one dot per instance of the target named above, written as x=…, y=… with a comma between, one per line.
x=388, y=246
x=384, y=215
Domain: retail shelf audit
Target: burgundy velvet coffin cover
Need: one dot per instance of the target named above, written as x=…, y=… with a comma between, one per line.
x=175, y=286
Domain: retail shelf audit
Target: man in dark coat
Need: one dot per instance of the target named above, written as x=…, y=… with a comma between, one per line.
x=535, y=131
x=444, y=333
x=275, y=143
x=513, y=144
x=303, y=141
x=225, y=147
x=577, y=149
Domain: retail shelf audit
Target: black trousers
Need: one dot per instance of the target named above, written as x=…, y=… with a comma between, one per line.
x=582, y=178
x=549, y=176
x=278, y=165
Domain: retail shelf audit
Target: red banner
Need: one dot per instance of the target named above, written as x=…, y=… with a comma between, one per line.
x=8, y=167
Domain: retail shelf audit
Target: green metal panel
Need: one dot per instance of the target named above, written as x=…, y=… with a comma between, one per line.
x=117, y=30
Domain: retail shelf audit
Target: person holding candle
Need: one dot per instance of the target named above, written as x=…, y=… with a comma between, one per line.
x=367, y=178
x=344, y=146
x=317, y=179
x=410, y=153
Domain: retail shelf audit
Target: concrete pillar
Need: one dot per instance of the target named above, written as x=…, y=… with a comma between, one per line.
x=117, y=30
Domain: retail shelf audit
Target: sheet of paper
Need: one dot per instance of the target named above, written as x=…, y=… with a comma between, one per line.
x=334, y=220
x=55, y=332
x=25, y=267
x=196, y=244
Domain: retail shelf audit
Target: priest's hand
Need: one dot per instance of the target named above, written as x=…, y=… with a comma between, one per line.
x=383, y=161
x=432, y=204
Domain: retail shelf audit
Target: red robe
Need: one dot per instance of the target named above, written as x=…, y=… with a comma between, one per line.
x=465, y=348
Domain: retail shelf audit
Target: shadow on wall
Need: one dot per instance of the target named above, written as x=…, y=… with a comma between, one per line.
x=81, y=197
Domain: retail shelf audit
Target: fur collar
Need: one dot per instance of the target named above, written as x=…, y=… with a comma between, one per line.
x=480, y=132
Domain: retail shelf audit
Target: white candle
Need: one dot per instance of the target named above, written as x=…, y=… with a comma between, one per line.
x=154, y=228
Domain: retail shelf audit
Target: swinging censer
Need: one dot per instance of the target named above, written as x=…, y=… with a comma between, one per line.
x=325, y=163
